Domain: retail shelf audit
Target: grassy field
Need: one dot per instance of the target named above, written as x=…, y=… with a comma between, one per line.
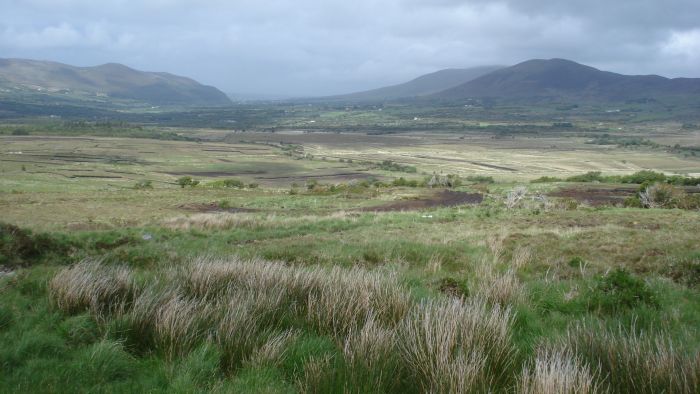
x=316, y=274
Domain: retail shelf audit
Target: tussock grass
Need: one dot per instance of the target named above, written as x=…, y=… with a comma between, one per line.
x=522, y=255
x=500, y=288
x=320, y=376
x=345, y=298
x=239, y=303
x=630, y=361
x=274, y=350
x=240, y=331
x=503, y=288
x=212, y=221
x=456, y=346
x=90, y=285
x=372, y=358
x=180, y=324
x=245, y=307
x=557, y=372
x=335, y=300
x=247, y=314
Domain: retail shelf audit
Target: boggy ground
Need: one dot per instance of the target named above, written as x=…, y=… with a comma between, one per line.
x=207, y=289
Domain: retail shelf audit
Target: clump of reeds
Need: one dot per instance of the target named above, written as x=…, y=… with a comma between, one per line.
x=631, y=361
x=557, y=371
x=90, y=285
x=457, y=346
x=212, y=221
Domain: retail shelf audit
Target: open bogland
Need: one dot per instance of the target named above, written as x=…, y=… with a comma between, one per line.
x=469, y=299
x=118, y=285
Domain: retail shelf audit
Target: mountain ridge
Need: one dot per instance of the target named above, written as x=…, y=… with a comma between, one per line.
x=566, y=78
x=109, y=80
x=422, y=85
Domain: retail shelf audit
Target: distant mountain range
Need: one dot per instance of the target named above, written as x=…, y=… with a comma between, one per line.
x=553, y=79
x=559, y=78
x=50, y=84
x=28, y=80
x=422, y=86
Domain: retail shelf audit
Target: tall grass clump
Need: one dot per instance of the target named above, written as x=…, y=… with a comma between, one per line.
x=212, y=221
x=455, y=346
x=92, y=286
x=180, y=324
x=345, y=298
x=239, y=332
x=253, y=311
x=372, y=359
x=274, y=351
x=631, y=362
x=557, y=371
x=333, y=300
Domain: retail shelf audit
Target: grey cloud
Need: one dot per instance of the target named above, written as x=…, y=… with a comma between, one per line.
x=308, y=47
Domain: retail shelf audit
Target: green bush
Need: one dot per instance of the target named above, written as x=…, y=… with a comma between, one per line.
x=576, y=262
x=546, y=179
x=633, y=202
x=480, y=179
x=187, y=181
x=592, y=176
x=388, y=165
x=404, y=182
x=644, y=176
x=619, y=290
x=233, y=183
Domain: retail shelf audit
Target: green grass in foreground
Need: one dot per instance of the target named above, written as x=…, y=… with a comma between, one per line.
x=541, y=310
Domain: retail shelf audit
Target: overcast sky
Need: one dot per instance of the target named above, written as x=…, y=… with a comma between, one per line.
x=318, y=47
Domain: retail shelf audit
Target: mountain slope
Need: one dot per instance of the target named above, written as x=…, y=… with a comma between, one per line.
x=564, y=78
x=421, y=86
x=105, y=82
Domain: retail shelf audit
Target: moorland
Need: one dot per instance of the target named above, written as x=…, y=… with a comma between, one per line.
x=329, y=246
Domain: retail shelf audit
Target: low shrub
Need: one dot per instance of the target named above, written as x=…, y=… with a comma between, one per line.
x=480, y=179
x=187, y=181
x=592, y=176
x=619, y=290
x=546, y=179
x=233, y=183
